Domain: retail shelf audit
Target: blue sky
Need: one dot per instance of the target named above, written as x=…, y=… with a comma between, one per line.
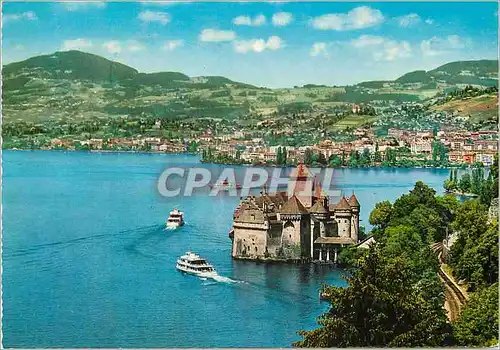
x=274, y=44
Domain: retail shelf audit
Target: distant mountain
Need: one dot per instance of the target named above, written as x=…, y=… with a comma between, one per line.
x=481, y=72
x=77, y=65
x=70, y=65
x=418, y=76
x=79, y=85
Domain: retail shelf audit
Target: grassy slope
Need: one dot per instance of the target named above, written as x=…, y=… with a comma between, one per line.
x=479, y=108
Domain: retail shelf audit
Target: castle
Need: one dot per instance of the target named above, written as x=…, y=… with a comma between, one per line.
x=297, y=224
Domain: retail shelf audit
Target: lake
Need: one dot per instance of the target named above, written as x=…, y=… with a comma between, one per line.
x=87, y=261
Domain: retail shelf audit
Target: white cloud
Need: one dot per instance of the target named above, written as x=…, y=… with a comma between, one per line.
x=172, y=45
x=26, y=16
x=116, y=46
x=76, y=44
x=112, y=46
x=409, y=20
x=258, y=45
x=429, y=21
x=382, y=49
x=215, y=35
x=318, y=48
x=248, y=21
x=436, y=46
x=82, y=5
x=154, y=16
x=455, y=42
x=358, y=18
x=367, y=40
x=282, y=19
x=134, y=46
x=393, y=50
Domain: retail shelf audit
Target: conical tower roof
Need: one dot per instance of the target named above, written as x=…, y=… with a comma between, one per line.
x=318, y=208
x=300, y=171
x=353, y=201
x=293, y=206
x=343, y=204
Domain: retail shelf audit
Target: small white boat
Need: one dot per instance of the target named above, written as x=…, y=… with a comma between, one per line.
x=175, y=219
x=226, y=185
x=195, y=265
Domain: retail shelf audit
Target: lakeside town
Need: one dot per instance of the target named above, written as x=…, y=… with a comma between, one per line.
x=399, y=147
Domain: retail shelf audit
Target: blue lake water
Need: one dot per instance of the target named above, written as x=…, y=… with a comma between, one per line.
x=87, y=262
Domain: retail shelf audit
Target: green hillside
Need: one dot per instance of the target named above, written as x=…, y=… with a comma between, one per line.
x=418, y=76
x=70, y=65
x=80, y=85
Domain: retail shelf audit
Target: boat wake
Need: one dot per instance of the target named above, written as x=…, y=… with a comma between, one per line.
x=223, y=279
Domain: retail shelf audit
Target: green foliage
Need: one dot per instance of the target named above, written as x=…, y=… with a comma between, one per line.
x=474, y=255
x=382, y=306
x=419, y=76
x=381, y=215
x=394, y=297
x=349, y=256
x=439, y=153
x=335, y=161
x=308, y=157
x=478, y=322
x=465, y=183
x=74, y=64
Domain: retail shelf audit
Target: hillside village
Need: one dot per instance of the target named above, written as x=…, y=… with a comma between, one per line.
x=78, y=101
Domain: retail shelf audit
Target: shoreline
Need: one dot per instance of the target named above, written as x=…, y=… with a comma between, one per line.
x=243, y=164
x=463, y=194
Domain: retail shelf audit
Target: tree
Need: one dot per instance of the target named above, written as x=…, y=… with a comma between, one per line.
x=365, y=158
x=308, y=157
x=476, y=249
x=435, y=151
x=465, y=183
x=335, y=161
x=449, y=185
x=477, y=325
x=284, y=155
x=477, y=179
x=443, y=154
x=382, y=306
x=381, y=215
x=322, y=159
x=279, y=157
x=377, y=157
x=353, y=158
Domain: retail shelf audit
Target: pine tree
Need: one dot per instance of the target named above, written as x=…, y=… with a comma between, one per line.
x=278, y=156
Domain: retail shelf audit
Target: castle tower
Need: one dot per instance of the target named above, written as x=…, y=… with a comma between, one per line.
x=343, y=216
x=319, y=216
x=301, y=184
x=296, y=233
x=355, y=207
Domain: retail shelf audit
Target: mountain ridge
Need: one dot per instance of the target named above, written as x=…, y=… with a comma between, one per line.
x=81, y=65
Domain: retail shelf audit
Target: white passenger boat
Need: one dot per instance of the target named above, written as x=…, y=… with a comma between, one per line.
x=175, y=219
x=195, y=265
